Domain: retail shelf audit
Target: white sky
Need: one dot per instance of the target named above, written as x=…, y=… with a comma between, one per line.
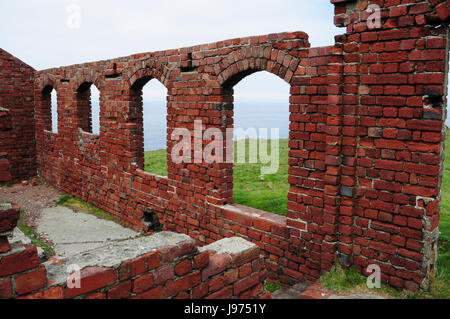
x=38, y=32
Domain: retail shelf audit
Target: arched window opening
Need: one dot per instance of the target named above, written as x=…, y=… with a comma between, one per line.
x=88, y=108
x=50, y=109
x=151, y=99
x=95, y=103
x=54, y=111
x=261, y=129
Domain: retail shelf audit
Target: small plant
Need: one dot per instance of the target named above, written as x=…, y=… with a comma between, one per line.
x=340, y=279
x=7, y=184
x=35, y=237
x=79, y=204
x=350, y=281
x=271, y=287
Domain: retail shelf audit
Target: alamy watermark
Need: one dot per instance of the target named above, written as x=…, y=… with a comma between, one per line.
x=374, y=19
x=214, y=145
x=74, y=278
x=74, y=18
x=374, y=280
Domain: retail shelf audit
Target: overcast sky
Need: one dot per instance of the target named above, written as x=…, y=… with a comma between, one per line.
x=44, y=33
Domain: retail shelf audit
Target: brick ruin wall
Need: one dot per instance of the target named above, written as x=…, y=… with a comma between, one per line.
x=165, y=265
x=366, y=141
x=17, y=130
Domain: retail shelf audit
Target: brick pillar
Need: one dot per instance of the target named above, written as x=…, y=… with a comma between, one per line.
x=401, y=75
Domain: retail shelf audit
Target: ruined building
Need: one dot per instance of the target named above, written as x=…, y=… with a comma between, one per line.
x=366, y=151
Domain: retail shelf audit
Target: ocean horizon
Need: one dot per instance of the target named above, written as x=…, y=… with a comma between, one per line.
x=254, y=114
x=247, y=114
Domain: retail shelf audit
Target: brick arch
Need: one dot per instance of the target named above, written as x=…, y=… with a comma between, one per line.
x=47, y=80
x=80, y=86
x=81, y=78
x=135, y=77
x=239, y=64
x=150, y=69
x=43, y=101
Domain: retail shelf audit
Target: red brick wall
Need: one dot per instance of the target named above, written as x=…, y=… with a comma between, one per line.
x=366, y=140
x=171, y=270
x=17, y=130
x=395, y=88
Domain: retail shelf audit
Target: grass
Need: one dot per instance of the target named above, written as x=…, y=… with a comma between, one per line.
x=6, y=184
x=272, y=287
x=81, y=205
x=35, y=238
x=156, y=162
x=268, y=192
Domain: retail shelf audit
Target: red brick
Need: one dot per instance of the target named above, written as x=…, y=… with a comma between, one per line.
x=200, y=291
x=121, y=291
x=183, y=267
x=96, y=295
x=176, y=286
x=224, y=293
x=171, y=252
x=55, y=292
x=216, y=284
x=143, y=283
x=8, y=219
x=245, y=283
x=163, y=274
x=5, y=288
x=246, y=256
x=19, y=262
x=30, y=281
x=92, y=278
x=153, y=260
x=4, y=245
x=201, y=260
x=132, y=268
x=262, y=224
x=245, y=270
x=231, y=276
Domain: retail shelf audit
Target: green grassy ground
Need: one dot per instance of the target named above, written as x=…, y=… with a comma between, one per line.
x=36, y=239
x=81, y=205
x=268, y=192
x=156, y=162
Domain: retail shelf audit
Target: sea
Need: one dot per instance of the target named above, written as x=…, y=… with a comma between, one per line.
x=247, y=115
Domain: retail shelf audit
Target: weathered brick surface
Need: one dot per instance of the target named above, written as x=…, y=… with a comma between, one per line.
x=174, y=278
x=20, y=261
x=9, y=218
x=30, y=281
x=17, y=124
x=5, y=288
x=92, y=278
x=366, y=141
x=50, y=293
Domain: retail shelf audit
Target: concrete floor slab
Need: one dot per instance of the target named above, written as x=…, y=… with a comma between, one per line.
x=72, y=232
x=113, y=254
